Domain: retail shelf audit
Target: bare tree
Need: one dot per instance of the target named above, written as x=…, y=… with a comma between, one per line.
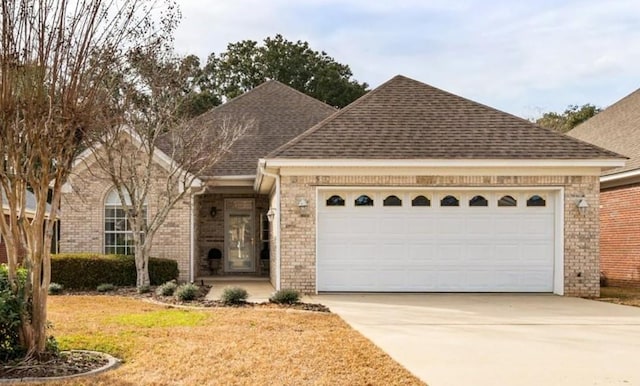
x=53, y=53
x=154, y=154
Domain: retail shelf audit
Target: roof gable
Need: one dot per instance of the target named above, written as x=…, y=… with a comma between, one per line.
x=278, y=112
x=617, y=128
x=407, y=119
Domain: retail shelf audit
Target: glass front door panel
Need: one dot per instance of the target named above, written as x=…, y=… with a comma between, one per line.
x=240, y=250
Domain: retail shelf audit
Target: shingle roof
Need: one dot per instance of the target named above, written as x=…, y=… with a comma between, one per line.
x=30, y=205
x=407, y=119
x=279, y=113
x=617, y=128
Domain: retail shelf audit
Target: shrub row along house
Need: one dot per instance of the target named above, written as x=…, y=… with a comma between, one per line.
x=409, y=188
x=618, y=128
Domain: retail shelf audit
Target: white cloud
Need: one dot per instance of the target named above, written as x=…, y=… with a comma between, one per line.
x=508, y=54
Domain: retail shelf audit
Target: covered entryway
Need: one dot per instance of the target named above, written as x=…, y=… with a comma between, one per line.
x=438, y=240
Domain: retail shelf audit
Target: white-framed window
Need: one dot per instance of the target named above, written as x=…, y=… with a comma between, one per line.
x=118, y=236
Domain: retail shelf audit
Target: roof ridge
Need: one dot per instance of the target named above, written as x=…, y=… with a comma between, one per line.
x=262, y=85
x=330, y=118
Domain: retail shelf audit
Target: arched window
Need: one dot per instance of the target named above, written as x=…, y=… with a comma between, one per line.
x=335, y=200
x=420, y=201
x=449, y=201
x=536, y=200
x=478, y=201
x=363, y=200
x=392, y=201
x=118, y=236
x=507, y=201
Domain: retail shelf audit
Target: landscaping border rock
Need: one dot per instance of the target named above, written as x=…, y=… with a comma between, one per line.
x=112, y=363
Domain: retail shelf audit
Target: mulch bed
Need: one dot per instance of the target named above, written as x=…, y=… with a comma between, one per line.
x=65, y=364
x=200, y=301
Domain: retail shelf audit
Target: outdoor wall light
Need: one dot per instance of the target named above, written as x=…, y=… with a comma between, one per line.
x=271, y=214
x=582, y=205
x=303, y=206
x=213, y=212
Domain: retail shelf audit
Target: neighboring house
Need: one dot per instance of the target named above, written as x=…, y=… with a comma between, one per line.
x=618, y=128
x=409, y=188
x=30, y=211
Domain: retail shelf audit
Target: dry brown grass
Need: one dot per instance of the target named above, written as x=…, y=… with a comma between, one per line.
x=162, y=346
x=621, y=295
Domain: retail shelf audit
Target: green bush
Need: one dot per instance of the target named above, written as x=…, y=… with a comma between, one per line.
x=11, y=307
x=105, y=287
x=187, y=292
x=55, y=289
x=167, y=289
x=87, y=271
x=285, y=296
x=234, y=295
x=145, y=289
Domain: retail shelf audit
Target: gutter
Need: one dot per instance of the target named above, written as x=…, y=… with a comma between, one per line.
x=276, y=220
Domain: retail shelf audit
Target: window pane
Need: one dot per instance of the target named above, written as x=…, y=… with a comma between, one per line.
x=392, y=201
x=364, y=200
x=478, y=201
x=449, y=201
x=335, y=201
x=421, y=201
x=507, y=201
x=536, y=200
x=109, y=225
x=109, y=212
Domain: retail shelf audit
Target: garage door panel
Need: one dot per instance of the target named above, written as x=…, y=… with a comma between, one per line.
x=452, y=253
x=458, y=249
x=450, y=224
x=423, y=224
x=392, y=225
x=479, y=226
x=421, y=253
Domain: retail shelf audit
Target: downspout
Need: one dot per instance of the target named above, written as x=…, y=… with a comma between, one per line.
x=276, y=220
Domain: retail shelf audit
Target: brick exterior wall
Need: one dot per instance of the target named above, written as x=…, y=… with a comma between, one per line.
x=620, y=235
x=82, y=218
x=581, y=249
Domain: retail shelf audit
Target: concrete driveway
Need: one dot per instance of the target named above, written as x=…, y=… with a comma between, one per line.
x=461, y=339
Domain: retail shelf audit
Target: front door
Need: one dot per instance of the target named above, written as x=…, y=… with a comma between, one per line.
x=239, y=241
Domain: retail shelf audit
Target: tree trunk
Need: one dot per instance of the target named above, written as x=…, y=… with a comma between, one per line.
x=142, y=269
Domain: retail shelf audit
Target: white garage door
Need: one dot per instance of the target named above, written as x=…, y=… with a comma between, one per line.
x=436, y=241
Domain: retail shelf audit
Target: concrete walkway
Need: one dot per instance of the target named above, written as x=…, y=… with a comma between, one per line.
x=259, y=289
x=460, y=339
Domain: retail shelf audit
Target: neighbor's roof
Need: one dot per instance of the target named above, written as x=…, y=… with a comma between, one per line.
x=279, y=113
x=617, y=128
x=30, y=204
x=407, y=119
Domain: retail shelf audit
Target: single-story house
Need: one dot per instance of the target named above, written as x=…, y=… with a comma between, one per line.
x=618, y=128
x=408, y=189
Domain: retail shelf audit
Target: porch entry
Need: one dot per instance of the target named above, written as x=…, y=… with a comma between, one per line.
x=239, y=236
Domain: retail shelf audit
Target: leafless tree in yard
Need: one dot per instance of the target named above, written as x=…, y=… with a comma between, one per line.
x=54, y=55
x=154, y=154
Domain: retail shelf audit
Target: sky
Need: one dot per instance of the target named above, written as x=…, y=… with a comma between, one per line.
x=522, y=57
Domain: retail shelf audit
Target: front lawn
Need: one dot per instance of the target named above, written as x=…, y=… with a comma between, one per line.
x=162, y=345
x=621, y=295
